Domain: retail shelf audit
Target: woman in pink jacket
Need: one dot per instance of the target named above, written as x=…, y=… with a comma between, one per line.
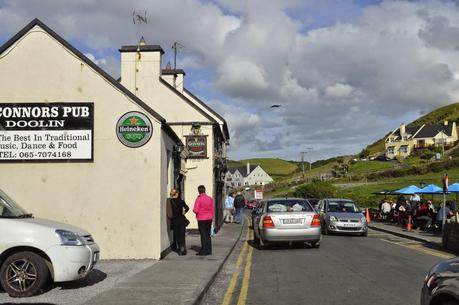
x=204, y=210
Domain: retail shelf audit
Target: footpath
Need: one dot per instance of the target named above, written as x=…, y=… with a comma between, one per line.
x=434, y=239
x=175, y=279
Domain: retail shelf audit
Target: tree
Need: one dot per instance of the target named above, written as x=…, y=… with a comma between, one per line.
x=364, y=153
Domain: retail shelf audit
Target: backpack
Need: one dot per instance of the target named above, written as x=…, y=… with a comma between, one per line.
x=239, y=201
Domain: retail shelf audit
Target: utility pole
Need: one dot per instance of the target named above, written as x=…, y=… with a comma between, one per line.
x=302, y=161
x=302, y=158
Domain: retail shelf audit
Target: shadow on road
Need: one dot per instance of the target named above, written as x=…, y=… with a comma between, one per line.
x=94, y=277
x=281, y=246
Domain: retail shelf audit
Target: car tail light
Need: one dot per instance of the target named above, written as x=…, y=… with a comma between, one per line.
x=315, y=221
x=268, y=222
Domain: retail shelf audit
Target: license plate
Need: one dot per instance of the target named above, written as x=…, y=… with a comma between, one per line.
x=349, y=225
x=292, y=221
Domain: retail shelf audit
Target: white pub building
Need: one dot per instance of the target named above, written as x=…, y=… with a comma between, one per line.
x=80, y=147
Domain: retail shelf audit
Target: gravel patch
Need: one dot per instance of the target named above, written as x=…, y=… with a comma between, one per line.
x=106, y=275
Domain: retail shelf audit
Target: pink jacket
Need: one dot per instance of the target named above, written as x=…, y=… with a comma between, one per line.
x=204, y=207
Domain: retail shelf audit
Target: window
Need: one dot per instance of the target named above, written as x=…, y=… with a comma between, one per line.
x=404, y=149
x=390, y=150
x=342, y=206
x=289, y=206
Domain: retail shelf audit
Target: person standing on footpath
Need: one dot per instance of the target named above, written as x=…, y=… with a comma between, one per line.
x=204, y=210
x=229, y=208
x=175, y=210
x=239, y=203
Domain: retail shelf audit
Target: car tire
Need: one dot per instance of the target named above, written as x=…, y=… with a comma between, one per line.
x=23, y=274
x=261, y=244
x=256, y=240
x=315, y=244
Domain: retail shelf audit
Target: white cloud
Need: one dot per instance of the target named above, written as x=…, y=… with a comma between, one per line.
x=241, y=78
x=340, y=86
x=339, y=91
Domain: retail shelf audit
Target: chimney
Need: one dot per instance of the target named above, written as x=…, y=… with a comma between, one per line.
x=402, y=129
x=141, y=68
x=248, y=168
x=175, y=77
x=445, y=123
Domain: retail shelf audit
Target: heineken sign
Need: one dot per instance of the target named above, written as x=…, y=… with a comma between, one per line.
x=46, y=132
x=197, y=146
x=134, y=129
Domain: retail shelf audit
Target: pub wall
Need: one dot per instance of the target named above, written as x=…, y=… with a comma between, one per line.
x=118, y=197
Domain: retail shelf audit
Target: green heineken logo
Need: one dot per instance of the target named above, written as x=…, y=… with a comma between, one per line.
x=134, y=129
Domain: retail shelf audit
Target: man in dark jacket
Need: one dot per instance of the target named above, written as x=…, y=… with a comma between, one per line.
x=239, y=204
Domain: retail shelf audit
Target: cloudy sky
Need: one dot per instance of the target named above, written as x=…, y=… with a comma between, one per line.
x=344, y=72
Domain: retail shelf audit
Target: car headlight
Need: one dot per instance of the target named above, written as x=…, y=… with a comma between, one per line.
x=333, y=218
x=68, y=238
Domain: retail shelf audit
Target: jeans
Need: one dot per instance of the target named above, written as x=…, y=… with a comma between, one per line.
x=179, y=238
x=204, y=227
x=428, y=221
x=238, y=217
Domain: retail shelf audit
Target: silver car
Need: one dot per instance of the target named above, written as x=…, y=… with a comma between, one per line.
x=342, y=216
x=285, y=220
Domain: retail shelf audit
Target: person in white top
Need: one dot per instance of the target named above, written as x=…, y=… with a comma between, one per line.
x=385, y=209
x=415, y=197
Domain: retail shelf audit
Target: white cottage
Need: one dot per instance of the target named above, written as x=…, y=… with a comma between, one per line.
x=249, y=175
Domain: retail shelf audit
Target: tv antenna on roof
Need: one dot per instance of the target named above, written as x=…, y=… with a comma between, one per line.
x=176, y=46
x=139, y=17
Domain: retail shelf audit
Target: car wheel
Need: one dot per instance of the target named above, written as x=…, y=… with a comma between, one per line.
x=261, y=244
x=315, y=244
x=256, y=239
x=23, y=274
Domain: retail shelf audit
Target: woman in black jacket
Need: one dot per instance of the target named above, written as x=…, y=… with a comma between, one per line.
x=175, y=209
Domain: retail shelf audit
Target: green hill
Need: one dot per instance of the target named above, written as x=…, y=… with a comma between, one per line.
x=438, y=116
x=274, y=167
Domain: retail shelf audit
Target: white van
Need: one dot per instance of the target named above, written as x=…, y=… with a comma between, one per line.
x=34, y=250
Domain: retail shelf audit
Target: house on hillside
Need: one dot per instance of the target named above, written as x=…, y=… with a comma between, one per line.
x=402, y=141
x=247, y=176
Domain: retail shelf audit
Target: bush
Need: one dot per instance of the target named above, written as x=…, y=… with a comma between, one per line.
x=427, y=155
x=316, y=189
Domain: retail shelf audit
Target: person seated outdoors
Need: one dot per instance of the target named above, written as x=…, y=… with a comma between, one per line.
x=385, y=210
x=444, y=214
x=402, y=212
x=424, y=216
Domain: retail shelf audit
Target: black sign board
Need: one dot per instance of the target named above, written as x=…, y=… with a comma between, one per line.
x=197, y=146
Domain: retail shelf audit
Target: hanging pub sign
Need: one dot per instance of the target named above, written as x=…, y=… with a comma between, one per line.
x=197, y=146
x=46, y=132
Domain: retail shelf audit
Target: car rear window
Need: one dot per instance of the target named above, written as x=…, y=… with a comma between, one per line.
x=289, y=206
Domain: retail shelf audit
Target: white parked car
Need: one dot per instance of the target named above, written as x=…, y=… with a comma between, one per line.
x=34, y=250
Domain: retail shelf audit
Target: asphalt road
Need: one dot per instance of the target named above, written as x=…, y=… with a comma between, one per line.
x=345, y=270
